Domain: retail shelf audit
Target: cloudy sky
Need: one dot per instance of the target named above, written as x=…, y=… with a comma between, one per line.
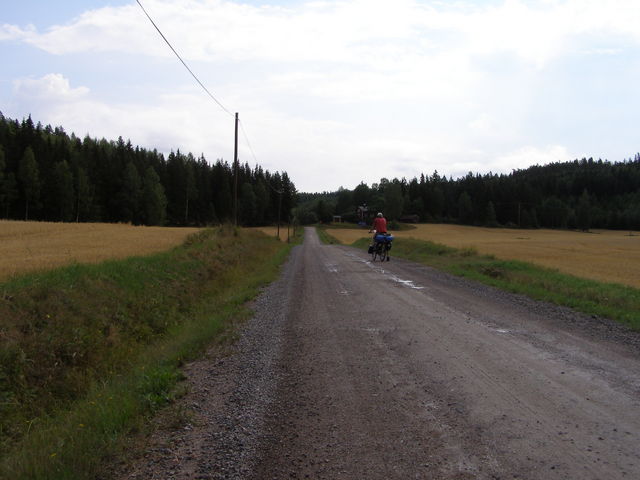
x=336, y=91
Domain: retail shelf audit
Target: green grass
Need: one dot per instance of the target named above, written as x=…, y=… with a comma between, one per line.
x=614, y=301
x=326, y=237
x=89, y=352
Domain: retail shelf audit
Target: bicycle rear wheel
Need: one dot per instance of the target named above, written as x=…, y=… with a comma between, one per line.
x=377, y=251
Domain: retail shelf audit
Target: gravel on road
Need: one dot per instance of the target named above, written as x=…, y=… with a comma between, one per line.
x=357, y=370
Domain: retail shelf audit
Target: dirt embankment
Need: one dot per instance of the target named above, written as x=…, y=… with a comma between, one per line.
x=355, y=370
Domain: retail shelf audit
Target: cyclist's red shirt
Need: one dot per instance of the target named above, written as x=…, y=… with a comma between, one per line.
x=380, y=225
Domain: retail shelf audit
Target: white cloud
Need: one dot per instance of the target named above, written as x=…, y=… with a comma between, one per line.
x=109, y=29
x=333, y=91
x=182, y=120
x=51, y=99
x=53, y=87
x=484, y=124
x=317, y=154
x=369, y=32
x=14, y=32
x=530, y=155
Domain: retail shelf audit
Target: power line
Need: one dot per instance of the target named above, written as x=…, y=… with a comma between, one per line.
x=246, y=137
x=183, y=62
x=205, y=89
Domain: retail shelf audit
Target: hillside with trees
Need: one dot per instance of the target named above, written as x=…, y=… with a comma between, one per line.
x=581, y=194
x=48, y=175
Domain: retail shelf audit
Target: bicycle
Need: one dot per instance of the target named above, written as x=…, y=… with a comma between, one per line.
x=380, y=249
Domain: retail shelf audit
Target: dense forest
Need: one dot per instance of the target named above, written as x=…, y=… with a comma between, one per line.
x=580, y=194
x=46, y=174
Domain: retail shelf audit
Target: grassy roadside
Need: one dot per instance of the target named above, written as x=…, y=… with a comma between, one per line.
x=89, y=352
x=325, y=237
x=614, y=301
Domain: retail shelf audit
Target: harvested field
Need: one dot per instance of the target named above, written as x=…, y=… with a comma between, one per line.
x=273, y=231
x=604, y=255
x=32, y=246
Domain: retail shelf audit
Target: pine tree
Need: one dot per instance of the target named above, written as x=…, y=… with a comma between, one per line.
x=190, y=190
x=84, y=195
x=584, y=212
x=362, y=195
x=248, y=204
x=3, y=165
x=222, y=188
x=262, y=202
x=554, y=213
x=29, y=177
x=465, y=208
x=62, y=186
x=490, y=217
x=393, y=201
x=107, y=184
x=130, y=194
x=323, y=211
x=11, y=193
x=154, y=201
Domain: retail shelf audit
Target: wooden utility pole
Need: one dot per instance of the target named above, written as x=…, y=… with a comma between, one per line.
x=279, y=208
x=235, y=180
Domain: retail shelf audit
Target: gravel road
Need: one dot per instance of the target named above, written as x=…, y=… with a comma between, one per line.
x=354, y=370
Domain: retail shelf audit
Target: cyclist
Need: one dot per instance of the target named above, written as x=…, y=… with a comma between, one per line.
x=379, y=225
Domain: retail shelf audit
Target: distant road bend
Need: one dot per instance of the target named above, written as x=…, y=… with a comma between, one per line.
x=355, y=370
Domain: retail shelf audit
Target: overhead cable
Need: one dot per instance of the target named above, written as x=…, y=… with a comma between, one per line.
x=203, y=87
x=246, y=137
x=248, y=143
x=183, y=62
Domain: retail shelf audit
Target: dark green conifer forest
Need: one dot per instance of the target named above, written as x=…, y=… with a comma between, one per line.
x=580, y=194
x=48, y=175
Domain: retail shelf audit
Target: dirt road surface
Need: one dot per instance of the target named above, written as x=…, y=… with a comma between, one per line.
x=355, y=370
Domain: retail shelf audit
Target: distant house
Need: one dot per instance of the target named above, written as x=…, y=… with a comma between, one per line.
x=337, y=219
x=362, y=212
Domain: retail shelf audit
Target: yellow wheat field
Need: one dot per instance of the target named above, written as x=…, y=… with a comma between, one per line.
x=605, y=255
x=273, y=231
x=30, y=246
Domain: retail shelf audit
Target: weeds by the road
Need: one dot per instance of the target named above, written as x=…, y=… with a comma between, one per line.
x=88, y=352
x=326, y=237
x=617, y=302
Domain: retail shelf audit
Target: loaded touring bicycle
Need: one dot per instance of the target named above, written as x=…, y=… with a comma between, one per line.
x=380, y=247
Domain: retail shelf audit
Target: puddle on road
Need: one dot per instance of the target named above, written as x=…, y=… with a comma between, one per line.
x=331, y=267
x=405, y=283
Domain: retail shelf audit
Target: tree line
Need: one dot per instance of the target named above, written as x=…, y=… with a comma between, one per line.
x=48, y=175
x=580, y=194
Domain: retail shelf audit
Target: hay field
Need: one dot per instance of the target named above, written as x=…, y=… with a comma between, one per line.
x=272, y=231
x=31, y=246
x=604, y=255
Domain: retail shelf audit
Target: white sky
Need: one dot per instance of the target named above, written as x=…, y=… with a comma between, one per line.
x=335, y=92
